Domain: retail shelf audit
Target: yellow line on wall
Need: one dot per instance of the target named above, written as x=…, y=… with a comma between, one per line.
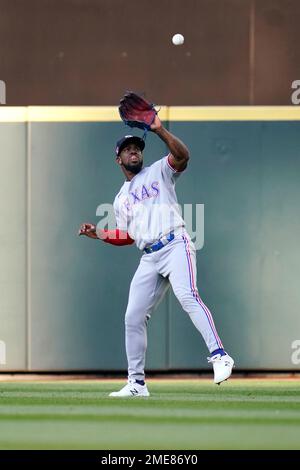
x=13, y=114
x=73, y=113
x=172, y=113
x=234, y=113
x=65, y=114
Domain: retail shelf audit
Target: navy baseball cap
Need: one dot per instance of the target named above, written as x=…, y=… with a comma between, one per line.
x=128, y=139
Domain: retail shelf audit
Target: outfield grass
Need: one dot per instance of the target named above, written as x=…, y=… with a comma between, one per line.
x=182, y=414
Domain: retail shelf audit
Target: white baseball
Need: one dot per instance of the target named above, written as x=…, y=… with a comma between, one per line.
x=177, y=39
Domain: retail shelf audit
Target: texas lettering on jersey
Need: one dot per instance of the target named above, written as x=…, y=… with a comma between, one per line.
x=140, y=194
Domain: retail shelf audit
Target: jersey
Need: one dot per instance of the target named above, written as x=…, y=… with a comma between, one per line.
x=147, y=207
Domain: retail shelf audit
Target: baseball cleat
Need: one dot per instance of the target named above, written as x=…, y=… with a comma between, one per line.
x=132, y=389
x=222, y=367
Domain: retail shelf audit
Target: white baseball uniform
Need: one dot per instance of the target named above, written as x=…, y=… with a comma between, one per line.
x=146, y=207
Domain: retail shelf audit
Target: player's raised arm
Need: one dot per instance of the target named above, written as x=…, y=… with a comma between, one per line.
x=179, y=153
x=136, y=111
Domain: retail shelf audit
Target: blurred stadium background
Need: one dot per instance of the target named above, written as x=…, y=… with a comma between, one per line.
x=227, y=93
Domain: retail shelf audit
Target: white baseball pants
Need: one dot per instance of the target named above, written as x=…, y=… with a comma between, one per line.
x=175, y=265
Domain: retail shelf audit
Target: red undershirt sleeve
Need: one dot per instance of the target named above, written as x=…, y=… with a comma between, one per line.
x=115, y=237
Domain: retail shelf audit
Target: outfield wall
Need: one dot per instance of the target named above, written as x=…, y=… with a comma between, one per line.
x=235, y=51
x=63, y=298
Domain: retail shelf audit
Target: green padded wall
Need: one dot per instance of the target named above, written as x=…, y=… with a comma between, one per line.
x=63, y=297
x=79, y=286
x=13, y=195
x=247, y=175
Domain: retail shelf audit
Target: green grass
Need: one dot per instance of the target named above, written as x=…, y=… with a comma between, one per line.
x=182, y=414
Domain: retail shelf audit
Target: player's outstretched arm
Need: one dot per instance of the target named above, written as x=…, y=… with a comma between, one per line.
x=179, y=152
x=114, y=237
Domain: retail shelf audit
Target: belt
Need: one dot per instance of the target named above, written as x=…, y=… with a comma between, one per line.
x=160, y=244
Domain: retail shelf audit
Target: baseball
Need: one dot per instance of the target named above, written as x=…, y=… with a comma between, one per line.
x=177, y=39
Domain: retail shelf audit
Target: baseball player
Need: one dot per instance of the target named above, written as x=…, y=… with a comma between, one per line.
x=168, y=253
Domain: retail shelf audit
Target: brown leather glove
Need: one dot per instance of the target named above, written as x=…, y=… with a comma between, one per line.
x=136, y=111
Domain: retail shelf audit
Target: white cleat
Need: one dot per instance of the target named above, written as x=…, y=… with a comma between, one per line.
x=132, y=389
x=222, y=367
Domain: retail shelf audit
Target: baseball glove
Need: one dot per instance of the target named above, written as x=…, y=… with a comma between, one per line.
x=136, y=111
